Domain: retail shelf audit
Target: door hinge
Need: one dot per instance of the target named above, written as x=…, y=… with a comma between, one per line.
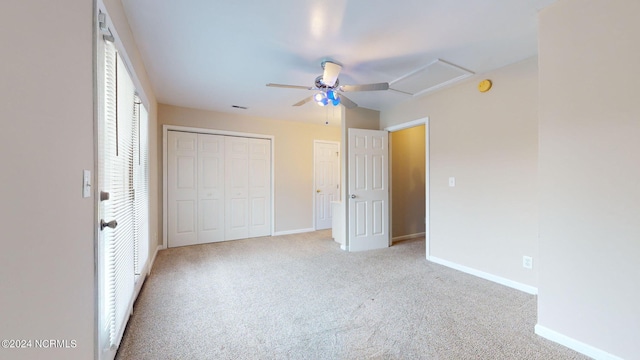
x=104, y=29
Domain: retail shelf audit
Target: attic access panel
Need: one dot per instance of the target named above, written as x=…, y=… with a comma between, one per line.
x=432, y=76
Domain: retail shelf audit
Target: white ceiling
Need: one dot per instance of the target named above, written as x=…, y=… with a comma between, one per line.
x=210, y=54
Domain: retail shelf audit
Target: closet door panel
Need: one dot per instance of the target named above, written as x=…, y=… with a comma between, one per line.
x=260, y=187
x=219, y=188
x=211, y=188
x=236, y=188
x=182, y=184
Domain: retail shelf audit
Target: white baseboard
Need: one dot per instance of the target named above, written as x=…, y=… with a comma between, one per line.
x=481, y=274
x=153, y=257
x=574, y=344
x=297, y=231
x=407, y=237
x=146, y=271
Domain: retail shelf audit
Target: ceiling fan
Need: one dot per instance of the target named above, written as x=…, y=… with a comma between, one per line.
x=329, y=90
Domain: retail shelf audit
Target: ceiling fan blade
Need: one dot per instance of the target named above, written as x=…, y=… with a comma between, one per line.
x=365, y=87
x=331, y=72
x=347, y=102
x=303, y=101
x=290, y=86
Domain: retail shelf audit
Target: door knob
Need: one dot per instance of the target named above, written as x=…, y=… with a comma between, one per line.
x=353, y=196
x=111, y=224
x=318, y=190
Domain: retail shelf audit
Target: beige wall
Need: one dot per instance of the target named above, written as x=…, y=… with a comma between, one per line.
x=408, y=181
x=47, y=259
x=488, y=142
x=590, y=173
x=293, y=156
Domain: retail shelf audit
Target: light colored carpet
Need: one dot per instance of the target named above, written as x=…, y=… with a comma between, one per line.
x=301, y=297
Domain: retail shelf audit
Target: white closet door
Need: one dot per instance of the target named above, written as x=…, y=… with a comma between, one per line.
x=183, y=188
x=236, y=188
x=259, y=187
x=210, y=188
x=219, y=188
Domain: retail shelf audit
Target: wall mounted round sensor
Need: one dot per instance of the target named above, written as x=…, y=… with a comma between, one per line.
x=484, y=85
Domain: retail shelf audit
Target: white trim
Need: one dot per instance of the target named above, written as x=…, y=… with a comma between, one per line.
x=165, y=188
x=407, y=125
x=481, y=274
x=290, y=232
x=215, y=132
x=427, y=223
x=407, y=237
x=314, y=174
x=574, y=344
x=390, y=184
x=153, y=259
x=167, y=128
x=427, y=192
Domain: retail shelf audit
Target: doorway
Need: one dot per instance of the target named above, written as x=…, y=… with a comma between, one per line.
x=218, y=185
x=326, y=179
x=409, y=175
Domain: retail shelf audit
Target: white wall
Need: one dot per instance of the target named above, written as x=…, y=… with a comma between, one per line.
x=590, y=175
x=47, y=255
x=488, y=142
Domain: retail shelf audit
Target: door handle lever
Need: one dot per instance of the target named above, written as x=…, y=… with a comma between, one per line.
x=111, y=224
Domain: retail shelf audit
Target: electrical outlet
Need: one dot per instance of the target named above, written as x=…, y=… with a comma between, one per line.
x=452, y=181
x=527, y=262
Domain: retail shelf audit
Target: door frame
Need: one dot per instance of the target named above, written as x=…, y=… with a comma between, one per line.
x=99, y=7
x=406, y=125
x=165, y=170
x=314, y=175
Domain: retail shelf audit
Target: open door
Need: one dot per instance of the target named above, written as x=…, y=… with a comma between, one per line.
x=368, y=189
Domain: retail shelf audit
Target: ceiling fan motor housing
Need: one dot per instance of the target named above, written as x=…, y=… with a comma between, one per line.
x=321, y=85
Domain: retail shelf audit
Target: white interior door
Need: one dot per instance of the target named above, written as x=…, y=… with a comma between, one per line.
x=327, y=181
x=210, y=188
x=182, y=188
x=368, y=189
x=259, y=187
x=236, y=187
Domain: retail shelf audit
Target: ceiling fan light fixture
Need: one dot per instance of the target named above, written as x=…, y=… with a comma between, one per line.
x=321, y=99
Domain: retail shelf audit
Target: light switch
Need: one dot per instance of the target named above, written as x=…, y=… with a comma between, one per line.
x=86, y=183
x=452, y=181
